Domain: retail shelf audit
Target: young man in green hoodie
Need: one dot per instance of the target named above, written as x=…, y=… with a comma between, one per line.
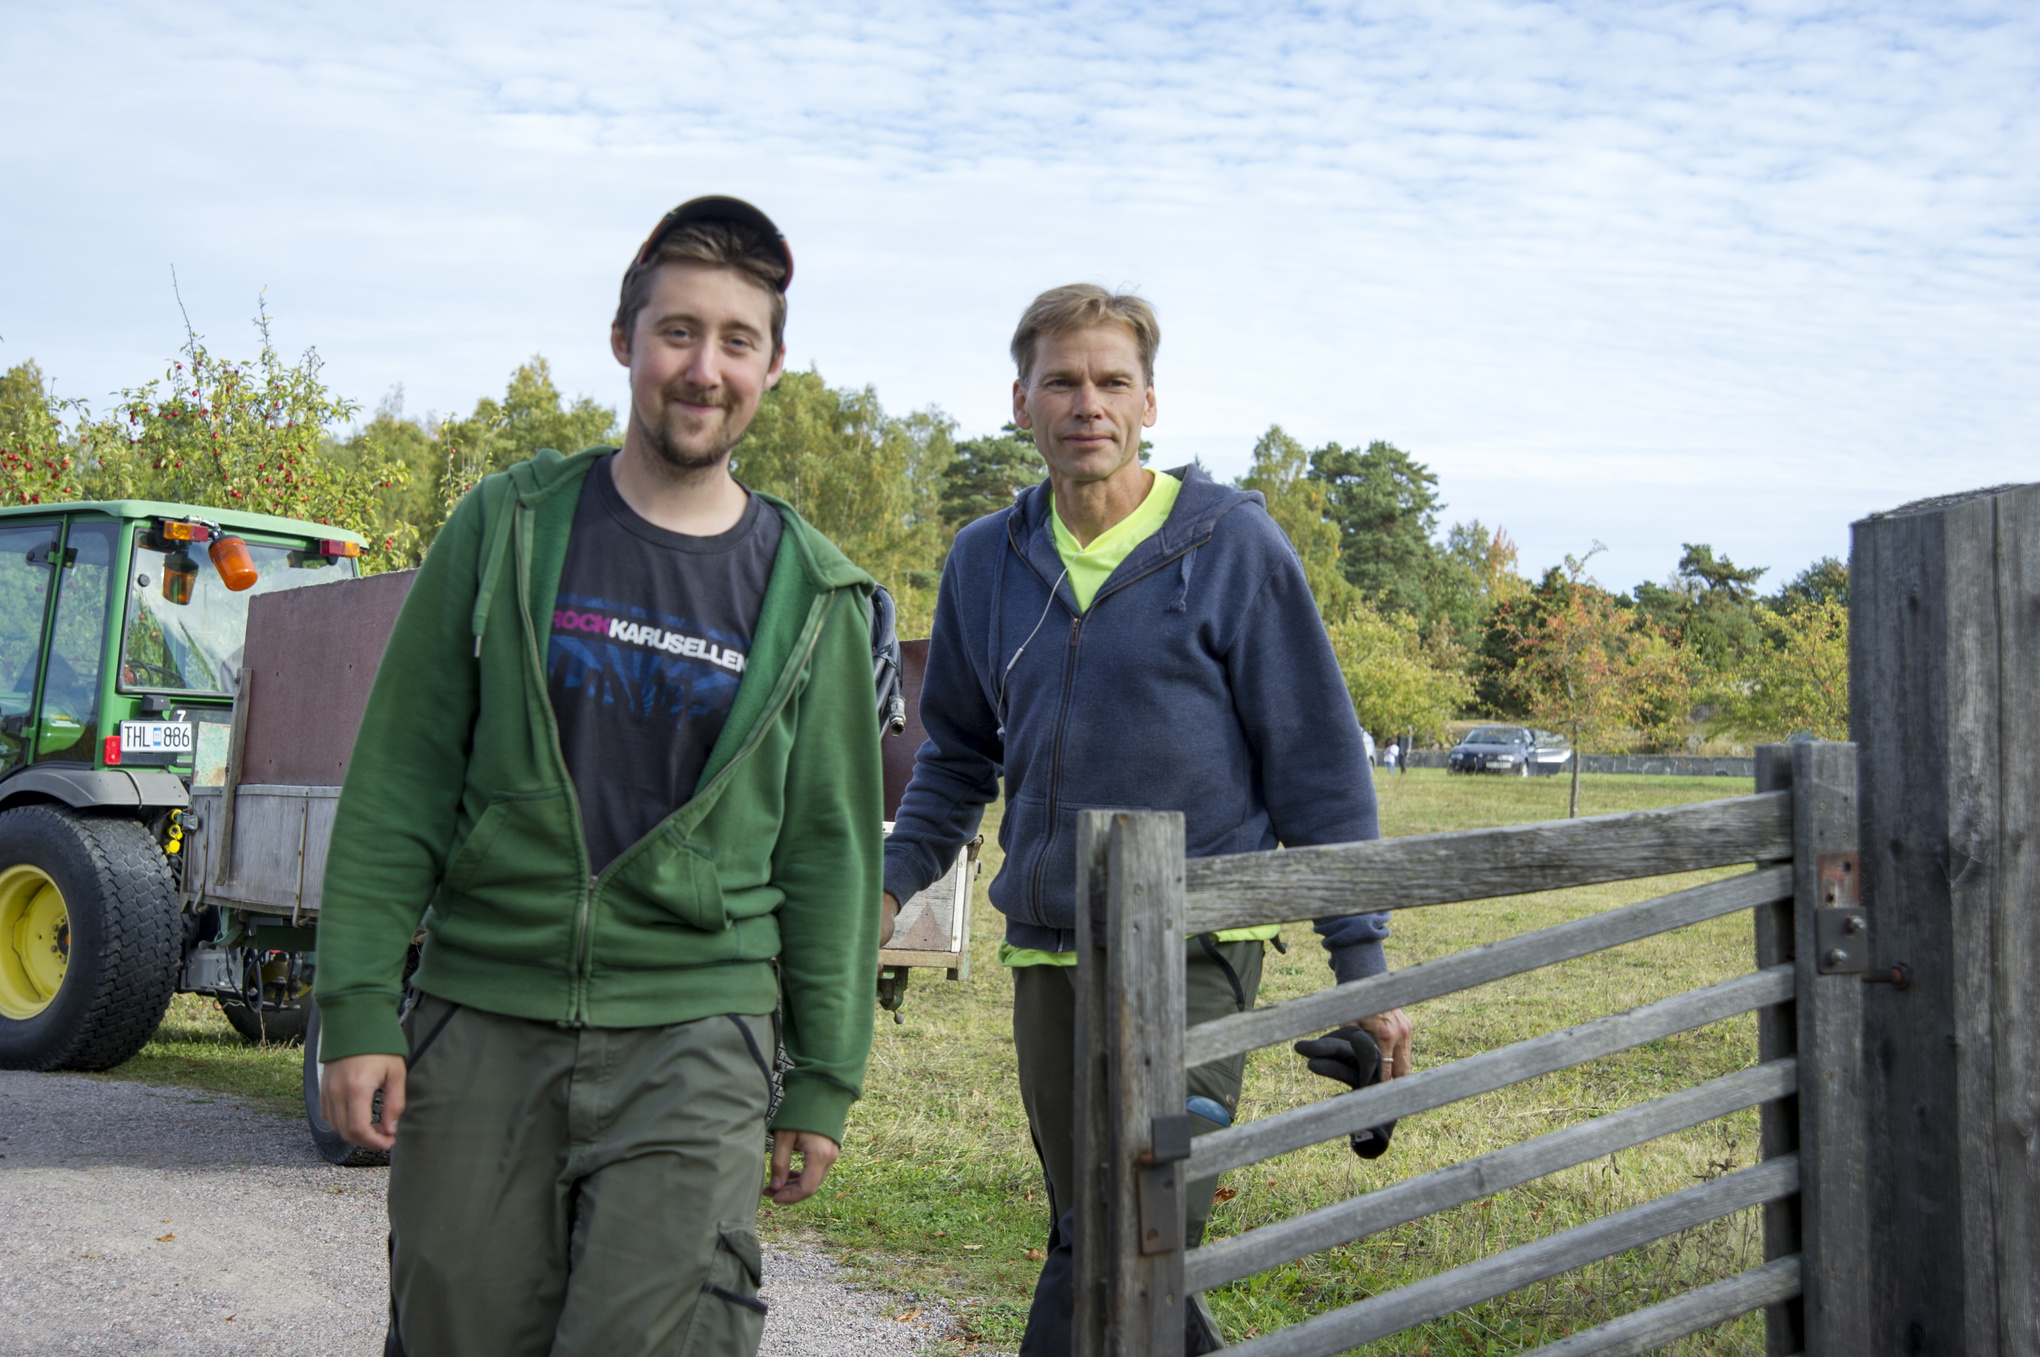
x=621, y=767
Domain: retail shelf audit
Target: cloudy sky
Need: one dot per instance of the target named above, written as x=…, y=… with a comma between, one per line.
x=1630, y=272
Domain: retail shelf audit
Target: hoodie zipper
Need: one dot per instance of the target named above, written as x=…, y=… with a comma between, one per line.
x=1062, y=718
x=584, y=912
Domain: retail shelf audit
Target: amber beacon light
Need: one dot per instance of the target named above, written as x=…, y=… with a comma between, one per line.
x=236, y=564
x=180, y=573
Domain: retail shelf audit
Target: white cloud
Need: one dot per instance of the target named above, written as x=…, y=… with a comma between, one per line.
x=1646, y=273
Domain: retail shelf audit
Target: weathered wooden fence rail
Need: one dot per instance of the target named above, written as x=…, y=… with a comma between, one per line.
x=1900, y=1170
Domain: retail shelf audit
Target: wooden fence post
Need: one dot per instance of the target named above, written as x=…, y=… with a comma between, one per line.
x=1944, y=664
x=1138, y=1010
x=1778, y=1039
x=1831, y=930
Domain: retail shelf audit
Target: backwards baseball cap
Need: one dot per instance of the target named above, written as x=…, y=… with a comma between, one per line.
x=716, y=207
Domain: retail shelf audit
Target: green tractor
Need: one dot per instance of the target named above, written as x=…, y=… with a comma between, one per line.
x=122, y=628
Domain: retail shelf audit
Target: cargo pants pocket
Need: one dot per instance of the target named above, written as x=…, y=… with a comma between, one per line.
x=729, y=1319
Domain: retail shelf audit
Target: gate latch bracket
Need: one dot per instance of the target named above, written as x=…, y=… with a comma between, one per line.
x=1841, y=929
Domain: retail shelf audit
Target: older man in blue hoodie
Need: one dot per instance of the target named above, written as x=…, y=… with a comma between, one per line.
x=1126, y=638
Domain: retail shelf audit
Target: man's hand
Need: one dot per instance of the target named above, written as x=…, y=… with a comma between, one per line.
x=347, y=1089
x=1391, y=1032
x=817, y=1153
x=888, y=910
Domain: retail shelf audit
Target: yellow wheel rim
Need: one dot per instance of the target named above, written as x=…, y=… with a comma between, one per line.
x=35, y=941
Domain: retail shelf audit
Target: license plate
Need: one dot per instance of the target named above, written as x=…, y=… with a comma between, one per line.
x=156, y=737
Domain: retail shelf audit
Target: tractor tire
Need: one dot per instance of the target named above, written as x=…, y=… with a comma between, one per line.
x=333, y=1147
x=89, y=939
x=271, y=1026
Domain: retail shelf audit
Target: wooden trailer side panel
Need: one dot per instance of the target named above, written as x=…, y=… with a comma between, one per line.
x=311, y=659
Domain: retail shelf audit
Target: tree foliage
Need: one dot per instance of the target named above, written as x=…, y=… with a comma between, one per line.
x=1426, y=628
x=1825, y=581
x=1798, y=681
x=987, y=474
x=868, y=480
x=211, y=431
x=38, y=459
x=532, y=415
x=1298, y=502
x=252, y=436
x=1385, y=505
x=1398, y=681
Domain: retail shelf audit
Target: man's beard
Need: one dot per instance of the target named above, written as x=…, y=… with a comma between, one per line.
x=664, y=438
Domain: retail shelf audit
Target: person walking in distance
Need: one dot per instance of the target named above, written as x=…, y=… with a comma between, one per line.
x=621, y=766
x=1121, y=637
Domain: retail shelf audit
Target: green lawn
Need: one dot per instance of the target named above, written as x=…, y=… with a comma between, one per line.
x=938, y=1192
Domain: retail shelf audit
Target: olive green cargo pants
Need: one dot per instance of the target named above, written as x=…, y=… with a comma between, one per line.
x=1218, y=979
x=1045, y=1038
x=589, y=1192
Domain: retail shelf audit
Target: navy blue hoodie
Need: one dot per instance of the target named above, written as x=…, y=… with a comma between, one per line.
x=1201, y=680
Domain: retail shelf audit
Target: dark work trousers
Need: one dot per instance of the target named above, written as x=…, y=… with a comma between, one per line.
x=590, y=1192
x=1044, y=1035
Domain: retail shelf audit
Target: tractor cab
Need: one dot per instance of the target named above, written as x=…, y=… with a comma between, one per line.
x=122, y=626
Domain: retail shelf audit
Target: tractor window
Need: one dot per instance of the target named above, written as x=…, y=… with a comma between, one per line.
x=69, y=726
x=196, y=646
x=24, y=599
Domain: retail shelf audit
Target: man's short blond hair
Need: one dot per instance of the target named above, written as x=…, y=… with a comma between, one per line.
x=1081, y=306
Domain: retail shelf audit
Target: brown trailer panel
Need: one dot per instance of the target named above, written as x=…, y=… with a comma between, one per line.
x=311, y=659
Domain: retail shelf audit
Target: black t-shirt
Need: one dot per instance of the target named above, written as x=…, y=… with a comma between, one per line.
x=649, y=638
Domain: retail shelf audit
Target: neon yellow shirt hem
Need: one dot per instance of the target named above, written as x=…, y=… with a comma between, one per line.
x=1009, y=955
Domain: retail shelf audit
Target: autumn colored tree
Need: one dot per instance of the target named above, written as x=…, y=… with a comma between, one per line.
x=1586, y=665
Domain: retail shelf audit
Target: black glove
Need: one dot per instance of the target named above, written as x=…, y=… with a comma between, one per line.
x=1350, y=1056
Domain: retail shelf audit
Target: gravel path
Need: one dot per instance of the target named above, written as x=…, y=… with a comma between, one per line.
x=170, y=1222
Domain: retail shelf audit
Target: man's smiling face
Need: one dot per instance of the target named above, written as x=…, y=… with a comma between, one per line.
x=1086, y=399
x=700, y=360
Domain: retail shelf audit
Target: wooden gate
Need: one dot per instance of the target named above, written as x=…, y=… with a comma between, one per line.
x=1139, y=900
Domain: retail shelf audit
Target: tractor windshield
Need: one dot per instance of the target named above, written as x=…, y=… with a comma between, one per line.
x=195, y=646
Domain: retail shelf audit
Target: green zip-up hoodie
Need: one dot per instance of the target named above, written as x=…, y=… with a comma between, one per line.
x=458, y=808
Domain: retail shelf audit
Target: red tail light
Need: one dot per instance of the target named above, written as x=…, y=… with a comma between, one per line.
x=112, y=744
x=329, y=546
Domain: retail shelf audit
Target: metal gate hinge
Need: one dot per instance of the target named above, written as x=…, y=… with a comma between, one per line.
x=1841, y=929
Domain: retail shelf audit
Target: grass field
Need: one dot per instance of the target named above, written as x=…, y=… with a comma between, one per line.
x=938, y=1192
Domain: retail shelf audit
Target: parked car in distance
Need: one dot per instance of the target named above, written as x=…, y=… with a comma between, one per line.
x=1517, y=751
